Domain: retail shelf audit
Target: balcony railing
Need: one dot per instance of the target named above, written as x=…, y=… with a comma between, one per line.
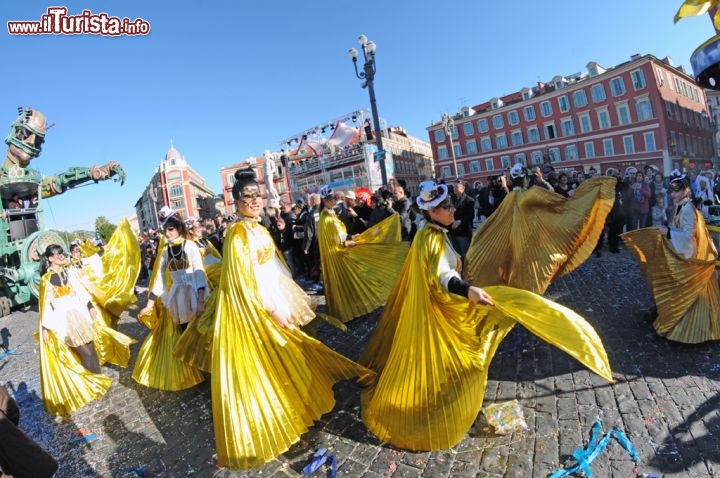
x=352, y=154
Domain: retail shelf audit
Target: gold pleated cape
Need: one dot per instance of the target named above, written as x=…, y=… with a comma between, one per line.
x=121, y=263
x=114, y=290
x=685, y=290
x=67, y=385
x=156, y=366
x=358, y=280
x=195, y=345
x=432, y=350
x=536, y=235
x=269, y=384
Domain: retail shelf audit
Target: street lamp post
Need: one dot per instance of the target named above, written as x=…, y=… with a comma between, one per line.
x=448, y=125
x=714, y=129
x=368, y=74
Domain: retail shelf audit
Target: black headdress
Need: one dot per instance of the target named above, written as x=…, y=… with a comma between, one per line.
x=243, y=177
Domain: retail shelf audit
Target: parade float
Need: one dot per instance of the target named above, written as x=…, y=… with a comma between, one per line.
x=23, y=237
x=705, y=60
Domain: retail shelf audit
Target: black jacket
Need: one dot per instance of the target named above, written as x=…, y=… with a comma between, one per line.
x=465, y=212
x=402, y=207
x=311, y=221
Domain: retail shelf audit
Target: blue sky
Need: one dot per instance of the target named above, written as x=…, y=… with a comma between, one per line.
x=226, y=80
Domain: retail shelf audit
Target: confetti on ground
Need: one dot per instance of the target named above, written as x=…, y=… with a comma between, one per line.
x=82, y=434
x=321, y=457
x=655, y=447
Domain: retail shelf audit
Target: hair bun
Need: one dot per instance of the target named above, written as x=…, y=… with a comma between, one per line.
x=247, y=174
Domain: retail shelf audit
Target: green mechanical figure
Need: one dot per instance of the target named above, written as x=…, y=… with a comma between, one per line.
x=22, y=236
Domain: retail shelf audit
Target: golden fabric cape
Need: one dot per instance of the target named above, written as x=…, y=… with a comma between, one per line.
x=115, y=289
x=121, y=263
x=357, y=280
x=195, y=344
x=536, y=235
x=269, y=384
x=432, y=350
x=685, y=290
x=67, y=385
x=156, y=366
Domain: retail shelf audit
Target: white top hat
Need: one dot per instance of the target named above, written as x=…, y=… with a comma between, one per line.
x=430, y=194
x=517, y=171
x=164, y=214
x=326, y=191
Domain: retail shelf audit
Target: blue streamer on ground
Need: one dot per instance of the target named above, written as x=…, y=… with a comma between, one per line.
x=586, y=456
x=320, y=458
x=8, y=352
x=139, y=471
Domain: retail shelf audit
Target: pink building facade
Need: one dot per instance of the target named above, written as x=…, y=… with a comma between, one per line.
x=177, y=185
x=641, y=112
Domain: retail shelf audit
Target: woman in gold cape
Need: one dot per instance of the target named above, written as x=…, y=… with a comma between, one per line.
x=536, y=235
x=73, y=345
x=359, y=271
x=270, y=381
x=181, y=289
x=680, y=271
x=109, y=274
x=432, y=348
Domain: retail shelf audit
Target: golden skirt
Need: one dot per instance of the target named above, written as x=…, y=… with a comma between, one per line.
x=66, y=385
x=195, y=345
x=156, y=366
x=686, y=291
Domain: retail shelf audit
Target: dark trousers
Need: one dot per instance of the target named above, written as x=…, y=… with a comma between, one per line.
x=88, y=356
x=461, y=244
x=615, y=228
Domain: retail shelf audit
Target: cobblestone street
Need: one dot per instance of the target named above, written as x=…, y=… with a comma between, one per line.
x=665, y=399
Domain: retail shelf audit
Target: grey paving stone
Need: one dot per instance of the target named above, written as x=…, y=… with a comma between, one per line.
x=666, y=399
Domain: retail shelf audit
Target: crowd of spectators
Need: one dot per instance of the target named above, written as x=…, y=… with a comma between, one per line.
x=642, y=200
x=642, y=195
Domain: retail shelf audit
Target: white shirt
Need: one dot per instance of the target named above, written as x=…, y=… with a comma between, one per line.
x=682, y=231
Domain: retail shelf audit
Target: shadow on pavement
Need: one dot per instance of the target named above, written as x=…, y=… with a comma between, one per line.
x=118, y=432
x=695, y=440
x=57, y=437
